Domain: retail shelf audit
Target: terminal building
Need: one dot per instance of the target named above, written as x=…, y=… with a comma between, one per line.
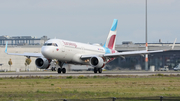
x=159, y=60
x=22, y=40
x=21, y=44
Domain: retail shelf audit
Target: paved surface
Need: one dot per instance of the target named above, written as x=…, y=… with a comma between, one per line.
x=85, y=73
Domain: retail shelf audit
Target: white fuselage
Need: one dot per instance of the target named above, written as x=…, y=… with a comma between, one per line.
x=69, y=51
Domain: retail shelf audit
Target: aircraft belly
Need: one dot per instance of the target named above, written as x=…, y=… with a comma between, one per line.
x=76, y=58
x=72, y=55
x=64, y=56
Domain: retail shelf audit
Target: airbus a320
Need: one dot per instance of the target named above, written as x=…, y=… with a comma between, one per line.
x=70, y=52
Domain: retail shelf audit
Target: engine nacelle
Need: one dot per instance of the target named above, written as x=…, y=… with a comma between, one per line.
x=97, y=62
x=42, y=63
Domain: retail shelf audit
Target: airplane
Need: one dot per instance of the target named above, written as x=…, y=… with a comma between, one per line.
x=70, y=52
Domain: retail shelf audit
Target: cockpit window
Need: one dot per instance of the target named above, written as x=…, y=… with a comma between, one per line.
x=50, y=44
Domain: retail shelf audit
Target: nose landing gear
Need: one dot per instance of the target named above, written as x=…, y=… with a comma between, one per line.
x=53, y=68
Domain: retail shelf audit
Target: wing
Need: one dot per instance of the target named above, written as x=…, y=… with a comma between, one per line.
x=27, y=54
x=130, y=53
x=24, y=54
x=122, y=54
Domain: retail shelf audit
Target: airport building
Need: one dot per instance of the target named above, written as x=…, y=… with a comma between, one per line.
x=167, y=59
x=159, y=60
x=22, y=40
x=19, y=44
x=18, y=62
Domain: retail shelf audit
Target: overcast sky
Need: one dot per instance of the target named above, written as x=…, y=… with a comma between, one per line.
x=91, y=20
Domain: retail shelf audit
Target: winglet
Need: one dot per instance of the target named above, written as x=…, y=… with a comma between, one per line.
x=6, y=47
x=174, y=44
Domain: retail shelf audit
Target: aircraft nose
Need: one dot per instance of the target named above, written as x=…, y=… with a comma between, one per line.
x=46, y=52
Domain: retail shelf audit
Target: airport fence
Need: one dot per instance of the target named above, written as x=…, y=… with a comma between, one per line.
x=158, y=98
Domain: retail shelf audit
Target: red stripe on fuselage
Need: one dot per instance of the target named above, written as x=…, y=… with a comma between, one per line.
x=111, y=41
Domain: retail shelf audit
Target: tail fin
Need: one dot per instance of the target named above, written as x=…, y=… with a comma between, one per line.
x=111, y=39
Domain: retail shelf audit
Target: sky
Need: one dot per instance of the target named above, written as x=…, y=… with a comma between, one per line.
x=89, y=21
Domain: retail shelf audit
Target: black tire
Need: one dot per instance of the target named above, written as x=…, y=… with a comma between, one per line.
x=52, y=68
x=100, y=70
x=95, y=70
x=59, y=70
x=64, y=70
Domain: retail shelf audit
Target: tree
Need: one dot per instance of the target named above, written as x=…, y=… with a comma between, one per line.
x=10, y=63
x=25, y=65
x=27, y=61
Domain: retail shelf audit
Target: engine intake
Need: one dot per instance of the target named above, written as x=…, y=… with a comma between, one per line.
x=97, y=62
x=42, y=63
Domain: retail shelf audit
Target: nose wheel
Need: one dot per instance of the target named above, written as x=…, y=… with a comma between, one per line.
x=53, y=68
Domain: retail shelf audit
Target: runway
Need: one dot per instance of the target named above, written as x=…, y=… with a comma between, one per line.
x=87, y=73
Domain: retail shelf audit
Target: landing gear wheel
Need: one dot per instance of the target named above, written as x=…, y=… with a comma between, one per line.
x=59, y=70
x=95, y=69
x=100, y=70
x=64, y=70
x=53, y=68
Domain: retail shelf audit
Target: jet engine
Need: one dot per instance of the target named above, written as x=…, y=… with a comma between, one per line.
x=42, y=63
x=97, y=62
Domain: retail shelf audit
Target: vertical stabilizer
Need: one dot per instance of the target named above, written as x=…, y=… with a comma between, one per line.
x=111, y=39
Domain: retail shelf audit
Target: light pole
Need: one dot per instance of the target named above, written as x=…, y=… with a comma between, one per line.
x=146, y=56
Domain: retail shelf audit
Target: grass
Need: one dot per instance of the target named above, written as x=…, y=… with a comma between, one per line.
x=56, y=88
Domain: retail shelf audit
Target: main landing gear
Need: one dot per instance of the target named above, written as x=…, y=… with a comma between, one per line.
x=59, y=70
x=97, y=70
x=63, y=70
